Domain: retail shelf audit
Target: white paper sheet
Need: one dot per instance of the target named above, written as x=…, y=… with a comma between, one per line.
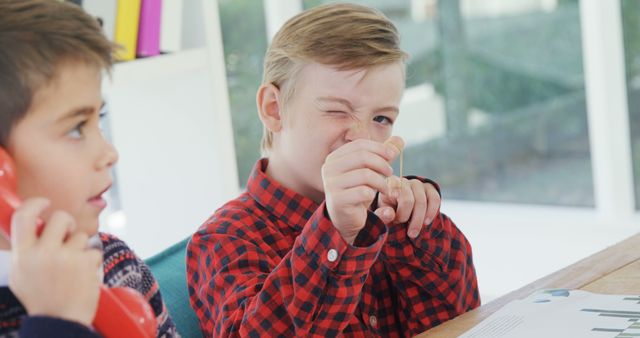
x=563, y=313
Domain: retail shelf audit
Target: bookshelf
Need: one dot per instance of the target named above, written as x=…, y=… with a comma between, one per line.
x=169, y=120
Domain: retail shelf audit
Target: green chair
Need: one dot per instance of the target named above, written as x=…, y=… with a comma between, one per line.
x=170, y=270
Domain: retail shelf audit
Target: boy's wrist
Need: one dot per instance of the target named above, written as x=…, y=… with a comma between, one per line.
x=323, y=239
x=348, y=236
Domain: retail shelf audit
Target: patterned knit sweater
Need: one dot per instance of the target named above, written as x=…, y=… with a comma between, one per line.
x=121, y=268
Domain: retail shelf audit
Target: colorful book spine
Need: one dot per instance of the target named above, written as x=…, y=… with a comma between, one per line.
x=149, y=28
x=171, y=26
x=127, y=21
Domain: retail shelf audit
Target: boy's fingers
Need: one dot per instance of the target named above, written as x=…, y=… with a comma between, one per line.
x=94, y=258
x=78, y=241
x=359, y=177
x=395, y=141
x=361, y=159
x=406, y=202
x=386, y=214
x=385, y=150
x=58, y=227
x=433, y=203
x=385, y=200
x=394, y=186
x=419, y=209
x=24, y=223
x=356, y=195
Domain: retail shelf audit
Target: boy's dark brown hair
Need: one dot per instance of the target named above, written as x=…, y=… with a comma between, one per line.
x=36, y=38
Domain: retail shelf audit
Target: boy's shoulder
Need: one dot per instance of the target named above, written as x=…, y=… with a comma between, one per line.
x=237, y=211
x=122, y=267
x=120, y=264
x=108, y=239
x=114, y=247
x=242, y=216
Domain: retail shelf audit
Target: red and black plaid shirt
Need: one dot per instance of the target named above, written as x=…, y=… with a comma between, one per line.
x=271, y=263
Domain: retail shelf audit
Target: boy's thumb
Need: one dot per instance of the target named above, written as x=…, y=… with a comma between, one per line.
x=386, y=214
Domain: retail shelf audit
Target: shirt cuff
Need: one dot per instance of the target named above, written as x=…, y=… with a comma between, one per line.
x=43, y=326
x=321, y=240
x=426, y=249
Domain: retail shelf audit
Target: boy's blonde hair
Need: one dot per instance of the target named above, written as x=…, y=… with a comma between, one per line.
x=36, y=38
x=346, y=36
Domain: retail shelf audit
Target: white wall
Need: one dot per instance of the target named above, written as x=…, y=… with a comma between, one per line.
x=514, y=245
x=170, y=174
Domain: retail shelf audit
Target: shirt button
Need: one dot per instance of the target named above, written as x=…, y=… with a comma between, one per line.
x=332, y=255
x=373, y=321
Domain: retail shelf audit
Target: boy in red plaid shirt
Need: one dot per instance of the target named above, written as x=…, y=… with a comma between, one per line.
x=326, y=241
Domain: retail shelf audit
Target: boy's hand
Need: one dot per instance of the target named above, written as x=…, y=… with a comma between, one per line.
x=352, y=175
x=415, y=203
x=53, y=275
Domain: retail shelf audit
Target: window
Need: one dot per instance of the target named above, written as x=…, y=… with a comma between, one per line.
x=631, y=30
x=244, y=48
x=494, y=108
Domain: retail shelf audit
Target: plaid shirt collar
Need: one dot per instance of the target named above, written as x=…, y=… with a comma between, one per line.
x=287, y=205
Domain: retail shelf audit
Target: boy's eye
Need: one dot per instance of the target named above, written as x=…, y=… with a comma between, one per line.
x=76, y=132
x=102, y=120
x=383, y=119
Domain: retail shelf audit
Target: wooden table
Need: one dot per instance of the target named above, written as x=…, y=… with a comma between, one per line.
x=614, y=270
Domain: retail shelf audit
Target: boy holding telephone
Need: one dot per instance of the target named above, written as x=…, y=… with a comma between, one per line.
x=52, y=55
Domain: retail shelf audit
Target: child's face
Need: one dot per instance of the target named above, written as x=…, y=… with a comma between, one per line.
x=58, y=147
x=328, y=109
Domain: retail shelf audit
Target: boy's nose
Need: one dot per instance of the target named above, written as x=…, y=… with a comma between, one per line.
x=358, y=130
x=109, y=156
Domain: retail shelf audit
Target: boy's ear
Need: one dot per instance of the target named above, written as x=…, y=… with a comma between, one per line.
x=268, y=99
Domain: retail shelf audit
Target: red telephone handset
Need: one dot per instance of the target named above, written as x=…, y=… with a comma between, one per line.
x=122, y=311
